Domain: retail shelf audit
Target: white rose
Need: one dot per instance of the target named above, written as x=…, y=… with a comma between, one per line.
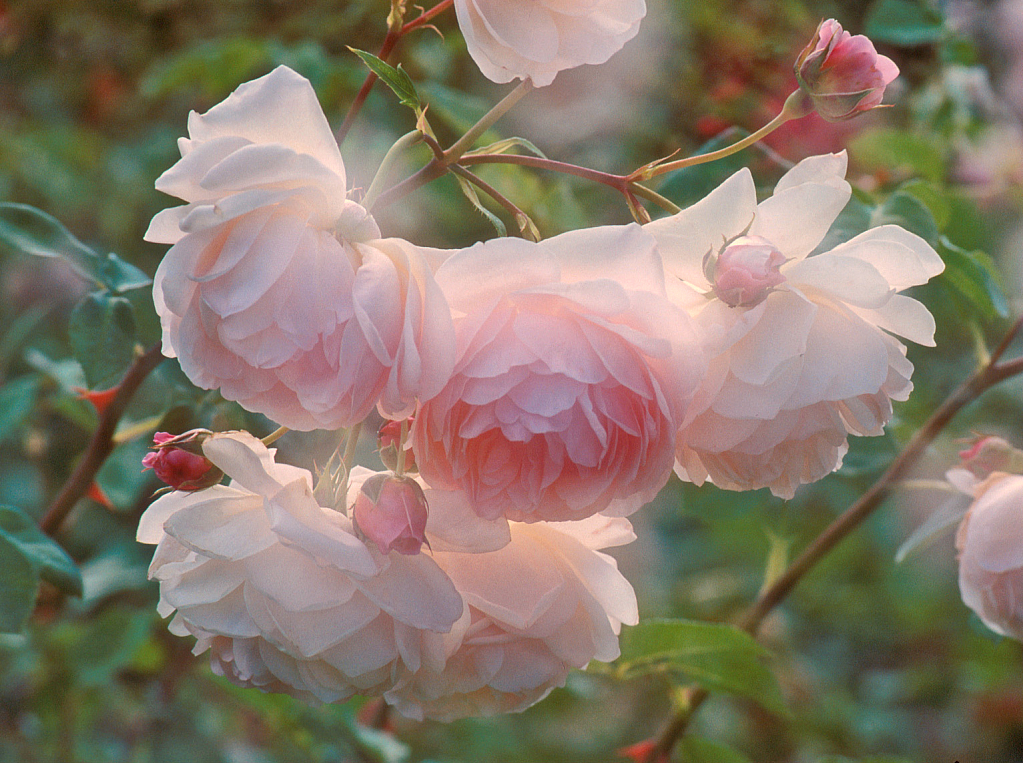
x=278, y=290
x=536, y=39
x=282, y=592
x=990, y=544
x=802, y=348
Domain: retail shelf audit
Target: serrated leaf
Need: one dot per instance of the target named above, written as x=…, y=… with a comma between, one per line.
x=474, y=199
x=717, y=656
x=102, y=333
x=17, y=399
x=974, y=279
x=891, y=150
x=19, y=583
x=697, y=750
x=395, y=78
x=48, y=559
x=906, y=210
x=29, y=230
x=904, y=22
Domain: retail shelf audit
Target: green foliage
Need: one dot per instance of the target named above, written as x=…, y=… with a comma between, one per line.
x=717, y=656
x=26, y=557
x=102, y=333
x=394, y=77
x=693, y=749
x=904, y=22
x=971, y=280
x=897, y=152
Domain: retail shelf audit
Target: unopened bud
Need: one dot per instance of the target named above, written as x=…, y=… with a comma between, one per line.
x=990, y=454
x=178, y=460
x=391, y=512
x=747, y=270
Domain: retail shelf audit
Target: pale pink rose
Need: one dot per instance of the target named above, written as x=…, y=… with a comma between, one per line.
x=573, y=373
x=278, y=290
x=536, y=39
x=815, y=360
x=990, y=545
x=282, y=591
x=390, y=511
x=545, y=603
x=746, y=271
x=842, y=73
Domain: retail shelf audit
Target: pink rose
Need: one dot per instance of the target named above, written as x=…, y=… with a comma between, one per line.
x=536, y=39
x=278, y=290
x=391, y=511
x=990, y=544
x=178, y=461
x=746, y=270
x=842, y=73
x=573, y=373
x=816, y=359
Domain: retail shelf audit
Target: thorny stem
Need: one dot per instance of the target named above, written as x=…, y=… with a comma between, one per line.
x=386, y=48
x=989, y=375
x=102, y=442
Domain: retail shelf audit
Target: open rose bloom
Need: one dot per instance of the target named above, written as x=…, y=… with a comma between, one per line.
x=573, y=374
x=536, y=39
x=287, y=596
x=803, y=349
x=278, y=290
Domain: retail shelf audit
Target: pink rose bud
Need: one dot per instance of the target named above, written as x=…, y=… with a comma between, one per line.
x=391, y=512
x=842, y=73
x=389, y=441
x=747, y=270
x=178, y=460
x=991, y=454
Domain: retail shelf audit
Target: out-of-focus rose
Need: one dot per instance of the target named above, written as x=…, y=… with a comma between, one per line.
x=842, y=73
x=990, y=544
x=547, y=602
x=792, y=375
x=573, y=373
x=278, y=290
x=391, y=512
x=989, y=454
x=282, y=592
x=178, y=460
x=536, y=39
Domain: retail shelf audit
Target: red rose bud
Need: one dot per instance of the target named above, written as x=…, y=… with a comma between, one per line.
x=389, y=441
x=391, y=512
x=178, y=460
x=842, y=73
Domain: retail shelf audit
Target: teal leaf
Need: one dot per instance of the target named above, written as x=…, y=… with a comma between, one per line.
x=719, y=657
x=19, y=583
x=102, y=333
x=908, y=211
x=904, y=22
x=972, y=279
x=48, y=559
x=17, y=399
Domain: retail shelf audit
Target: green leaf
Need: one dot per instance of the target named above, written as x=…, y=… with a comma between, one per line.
x=906, y=210
x=973, y=279
x=717, y=656
x=933, y=198
x=48, y=559
x=474, y=199
x=894, y=151
x=505, y=145
x=904, y=22
x=29, y=230
x=19, y=583
x=102, y=333
x=17, y=399
x=395, y=78
x=697, y=750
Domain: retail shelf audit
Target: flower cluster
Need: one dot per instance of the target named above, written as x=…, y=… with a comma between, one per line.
x=542, y=391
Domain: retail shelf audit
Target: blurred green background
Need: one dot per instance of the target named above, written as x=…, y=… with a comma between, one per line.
x=876, y=661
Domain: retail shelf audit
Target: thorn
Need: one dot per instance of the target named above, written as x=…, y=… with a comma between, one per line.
x=95, y=492
x=100, y=398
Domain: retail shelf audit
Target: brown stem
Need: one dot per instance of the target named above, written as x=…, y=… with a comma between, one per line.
x=102, y=442
x=751, y=619
x=386, y=48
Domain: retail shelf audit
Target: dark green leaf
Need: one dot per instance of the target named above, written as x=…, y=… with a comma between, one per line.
x=17, y=399
x=29, y=230
x=19, y=583
x=395, y=78
x=906, y=210
x=48, y=559
x=973, y=279
x=102, y=332
x=894, y=151
x=697, y=750
x=717, y=656
x=853, y=220
x=904, y=22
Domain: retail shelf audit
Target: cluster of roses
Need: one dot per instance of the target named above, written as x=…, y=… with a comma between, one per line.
x=554, y=385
